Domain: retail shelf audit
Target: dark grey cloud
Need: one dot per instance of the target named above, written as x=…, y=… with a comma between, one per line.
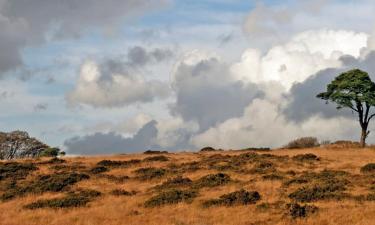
x=207, y=94
x=139, y=56
x=114, y=143
x=111, y=143
x=26, y=23
x=302, y=101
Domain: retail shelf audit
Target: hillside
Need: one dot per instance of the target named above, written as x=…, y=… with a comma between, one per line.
x=279, y=187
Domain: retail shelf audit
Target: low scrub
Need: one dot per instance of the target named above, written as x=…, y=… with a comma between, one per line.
x=318, y=192
x=122, y=192
x=72, y=199
x=150, y=152
x=306, y=157
x=300, y=211
x=150, y=173
x=212, y=180
x=171, y=197
x=111, y=163
x=160, y=158
x=99, y=169
x=208, y=149
x=15, y=170
x=368, y=168
x=46, y=183
x=175, y=182
x=304, y=142
x=240, y=197
x=54, y=160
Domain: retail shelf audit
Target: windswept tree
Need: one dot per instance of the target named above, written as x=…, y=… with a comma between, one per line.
x=355, y=90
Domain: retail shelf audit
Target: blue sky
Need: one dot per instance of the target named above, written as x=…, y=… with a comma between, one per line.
x=185, y=73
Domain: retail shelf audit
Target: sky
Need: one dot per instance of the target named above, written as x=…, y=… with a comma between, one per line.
x=119, y=76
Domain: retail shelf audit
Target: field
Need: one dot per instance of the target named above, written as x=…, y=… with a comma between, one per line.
x=317, y=186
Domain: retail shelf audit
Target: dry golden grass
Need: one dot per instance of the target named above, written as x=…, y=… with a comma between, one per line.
x=114, y=210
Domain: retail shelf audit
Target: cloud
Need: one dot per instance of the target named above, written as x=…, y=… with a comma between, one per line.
x=25, y=24
x=111, y=84
x=206, y=91
x=111, y=143
x=40, y=107
x=302, y=56
x=302, y=101
x=139, y=56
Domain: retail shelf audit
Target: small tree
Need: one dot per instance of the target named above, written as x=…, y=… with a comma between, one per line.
x=355, y=90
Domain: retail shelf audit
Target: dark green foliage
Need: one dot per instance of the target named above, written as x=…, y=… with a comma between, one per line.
x=73, y=199
x=323, y=177
x=173, y=196
x=110, y=163
x=56, y=182
x=240, y=197
x=368, y=168
x=175, y=182
x=99, y=169
x=303, y=142
x=160, y=158
x=50, y=152
x=150, y=173
x=15, y=170
x=121, y=192
x=150, y=152
x=212, y=180
x=55, y=160
x=53, y=182
x=208, y=149
x=355, y=90
x=318, y=192
x=306, y=157
x=301, y=211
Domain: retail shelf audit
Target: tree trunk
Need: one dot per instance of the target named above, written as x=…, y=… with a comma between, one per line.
x=363, y=137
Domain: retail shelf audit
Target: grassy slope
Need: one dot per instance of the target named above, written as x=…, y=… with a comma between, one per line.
x=109, y=209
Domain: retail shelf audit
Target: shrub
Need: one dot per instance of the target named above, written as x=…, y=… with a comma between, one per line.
x=304, y=142
x=240, y=197
x=306, y=157
x=171, y=197
x=212, y=180
x=208, y=149
x=301, y=211
x=175, y=182
x=150, y=173
x=99, y=169
x=54, y=160
x=318, y=192
x=73, y=199
x=368, y=168
x=49, y=152
x=150, y=152
x=110, y=163
x=45, y=183
x=160, y=158
x=121, y=192
x=15, y=170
